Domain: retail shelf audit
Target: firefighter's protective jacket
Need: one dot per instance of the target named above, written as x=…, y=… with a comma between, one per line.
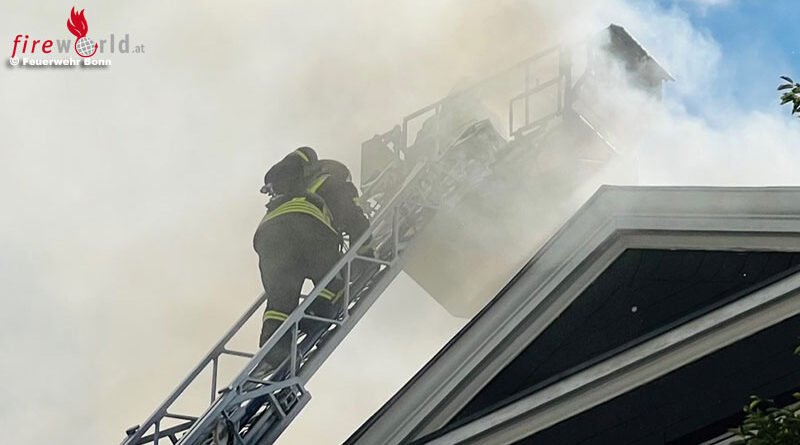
x=302, y=186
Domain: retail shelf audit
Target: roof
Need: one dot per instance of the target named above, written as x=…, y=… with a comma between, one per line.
x=617, y=225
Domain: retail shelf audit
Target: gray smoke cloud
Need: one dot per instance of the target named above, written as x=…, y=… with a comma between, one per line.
x=130, y=193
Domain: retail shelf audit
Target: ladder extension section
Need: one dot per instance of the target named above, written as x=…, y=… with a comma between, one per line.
x=257, y=406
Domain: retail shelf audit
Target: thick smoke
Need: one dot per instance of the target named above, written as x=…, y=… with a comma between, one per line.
x=131, y=193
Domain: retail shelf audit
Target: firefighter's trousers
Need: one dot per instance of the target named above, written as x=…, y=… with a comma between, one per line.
x=292, y=248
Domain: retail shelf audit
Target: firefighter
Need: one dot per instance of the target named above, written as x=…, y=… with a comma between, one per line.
x=300, y=238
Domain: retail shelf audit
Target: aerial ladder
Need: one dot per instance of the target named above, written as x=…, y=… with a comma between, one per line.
x=405, y=183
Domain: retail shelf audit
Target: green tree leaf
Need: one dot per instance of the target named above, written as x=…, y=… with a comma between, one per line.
x=792, y=95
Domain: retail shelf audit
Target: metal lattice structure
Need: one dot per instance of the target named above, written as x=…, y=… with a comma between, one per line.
x=258, y=409
x=283, y=394
x=254, y=409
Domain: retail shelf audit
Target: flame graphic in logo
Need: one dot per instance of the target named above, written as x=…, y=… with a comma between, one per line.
x=77, y=25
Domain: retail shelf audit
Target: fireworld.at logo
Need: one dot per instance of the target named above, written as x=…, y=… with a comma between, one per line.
x=84, y=46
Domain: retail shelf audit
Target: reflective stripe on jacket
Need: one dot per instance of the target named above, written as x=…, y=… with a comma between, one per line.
x=301, y=204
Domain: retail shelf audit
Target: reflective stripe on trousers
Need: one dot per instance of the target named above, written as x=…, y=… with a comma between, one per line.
x=275, y=315
x=330, y=296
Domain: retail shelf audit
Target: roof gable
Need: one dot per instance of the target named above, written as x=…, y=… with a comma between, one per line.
x=615, y=220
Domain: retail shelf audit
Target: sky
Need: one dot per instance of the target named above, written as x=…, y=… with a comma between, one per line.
x=130, y=193
x=766, y=30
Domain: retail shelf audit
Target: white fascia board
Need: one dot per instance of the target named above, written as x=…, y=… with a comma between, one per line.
x=615, y=218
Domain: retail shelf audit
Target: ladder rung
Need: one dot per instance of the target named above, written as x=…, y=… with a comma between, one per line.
x=373, y=260
x=322, y=319
x=267, y=388
x=237, y=353
x=180, y=417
